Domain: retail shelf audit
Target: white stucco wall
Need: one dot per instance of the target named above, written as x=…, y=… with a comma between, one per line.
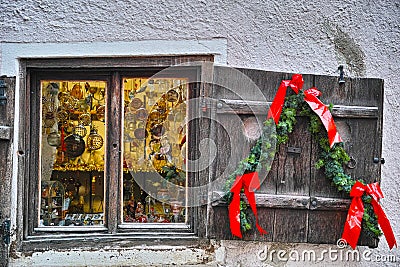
x=293, y=36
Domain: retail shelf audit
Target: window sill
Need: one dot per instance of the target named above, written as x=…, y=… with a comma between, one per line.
x=70, y=229
x=139, y=239
x=181, y=226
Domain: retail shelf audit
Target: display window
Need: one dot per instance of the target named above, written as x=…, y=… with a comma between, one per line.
x=112, y=150
x=73, y=137
x=154, y=150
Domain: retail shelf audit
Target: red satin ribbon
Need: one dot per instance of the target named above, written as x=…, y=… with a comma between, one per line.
x=310, y=96
x=250, y=182
x=296, y=83
x=352, y=227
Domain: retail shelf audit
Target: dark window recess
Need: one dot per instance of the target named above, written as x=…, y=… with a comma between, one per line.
x=296, y=202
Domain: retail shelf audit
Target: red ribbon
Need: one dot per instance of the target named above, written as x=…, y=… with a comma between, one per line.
x=352, y=227
x=296, y=83
x=63, y=146
x=250, y=182
x=310, y=96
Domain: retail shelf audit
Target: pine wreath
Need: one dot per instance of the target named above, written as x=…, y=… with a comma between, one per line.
x=330, y=159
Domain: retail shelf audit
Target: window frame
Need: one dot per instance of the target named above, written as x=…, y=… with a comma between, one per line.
x=112, y=71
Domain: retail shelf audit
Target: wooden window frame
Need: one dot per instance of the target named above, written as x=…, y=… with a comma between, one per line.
x=111, y=70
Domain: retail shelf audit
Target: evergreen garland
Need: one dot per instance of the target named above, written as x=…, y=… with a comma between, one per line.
x=331, y=160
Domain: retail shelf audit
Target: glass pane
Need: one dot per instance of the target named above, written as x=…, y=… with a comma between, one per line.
x=154, y=180
x=72, y=153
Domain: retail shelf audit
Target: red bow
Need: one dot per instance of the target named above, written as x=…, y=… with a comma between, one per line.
x=310, y=96
x=250, y=182
x=296, y=83
x=352, y=227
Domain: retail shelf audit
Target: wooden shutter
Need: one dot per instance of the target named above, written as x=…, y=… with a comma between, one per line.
x=296, y=202
x=6, y=144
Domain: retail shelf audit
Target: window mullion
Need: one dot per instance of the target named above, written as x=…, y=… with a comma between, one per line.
x=113, y=153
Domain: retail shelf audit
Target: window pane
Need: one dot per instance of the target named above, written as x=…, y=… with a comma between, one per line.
x=72, y=153
x=154, y=179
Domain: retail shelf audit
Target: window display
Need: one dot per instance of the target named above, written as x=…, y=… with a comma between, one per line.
x=154, y=149
x=72, y=153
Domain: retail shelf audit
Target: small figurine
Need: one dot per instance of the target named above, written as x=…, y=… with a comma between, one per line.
x=139, y=215
x=130, y=211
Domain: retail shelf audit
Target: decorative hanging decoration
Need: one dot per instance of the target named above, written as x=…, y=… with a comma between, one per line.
x=250, y=182
x=365, y=212
x=94, y=140
x=352, y=227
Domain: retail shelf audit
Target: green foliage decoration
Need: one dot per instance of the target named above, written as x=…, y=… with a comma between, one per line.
x=331, y=160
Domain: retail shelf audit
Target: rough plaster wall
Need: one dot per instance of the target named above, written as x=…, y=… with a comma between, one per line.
x=294, y=36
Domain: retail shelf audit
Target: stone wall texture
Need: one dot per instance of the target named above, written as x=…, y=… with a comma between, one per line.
x=289, y=36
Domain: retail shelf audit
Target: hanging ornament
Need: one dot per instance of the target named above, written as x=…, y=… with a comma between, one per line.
x=49, y=120
x=54, y=139
x=80, y=130
x=76, y=91
x=85, y=119
x=101, y=112
x=75, y=146
x=94, y=140
x=62, y=115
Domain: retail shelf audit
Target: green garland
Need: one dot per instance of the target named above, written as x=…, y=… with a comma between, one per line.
x=330, y=159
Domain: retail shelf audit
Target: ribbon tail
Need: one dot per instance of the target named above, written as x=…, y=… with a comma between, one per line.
x=384, y=223
x=250, y=186
x=252, y=201
x=352, y=227
x=234, y=208
x=275, y=109
x=324, y=114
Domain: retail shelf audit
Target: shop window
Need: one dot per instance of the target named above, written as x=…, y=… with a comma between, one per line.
x=73, y=137
x=107, y=146
x=74, y=134
x=154, y=149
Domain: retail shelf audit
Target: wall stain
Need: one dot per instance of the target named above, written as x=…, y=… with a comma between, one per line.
x=347, y=49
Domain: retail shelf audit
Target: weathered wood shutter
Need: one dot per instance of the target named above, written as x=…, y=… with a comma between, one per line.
x=296, y=202
x=6, y=144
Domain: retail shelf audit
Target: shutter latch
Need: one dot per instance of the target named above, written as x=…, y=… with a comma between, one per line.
x=293, y=150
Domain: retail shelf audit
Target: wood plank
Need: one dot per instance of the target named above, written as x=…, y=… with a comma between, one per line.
x=295, y=202
x=235, y=106
x=32, y=127
x=355, y=112
x=99, y=241
x=113, y=153
x=266, y=221
x=363, y=146
x=116, y=62
x=266, y=81
x=325, y=227
x=294, y=168
x=355, y=92
x=6, y=160
x=290, y=226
